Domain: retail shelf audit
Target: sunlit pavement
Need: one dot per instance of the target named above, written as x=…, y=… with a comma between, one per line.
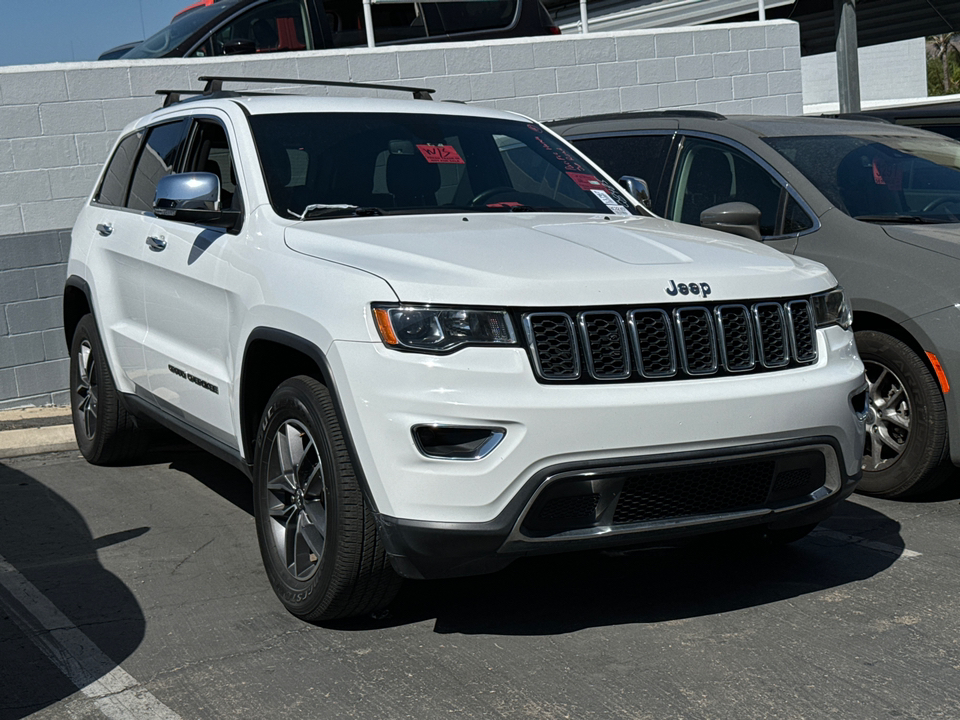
x=138, y=592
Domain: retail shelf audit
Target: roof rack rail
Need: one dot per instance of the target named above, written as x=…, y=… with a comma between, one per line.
x=701, y=114
x=863, y=116
x=214, y=87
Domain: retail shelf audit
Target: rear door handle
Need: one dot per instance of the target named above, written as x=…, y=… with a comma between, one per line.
x=156, y=243
x=105, y=228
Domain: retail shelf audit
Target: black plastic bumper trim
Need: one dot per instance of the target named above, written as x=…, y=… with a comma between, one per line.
x=425, y=550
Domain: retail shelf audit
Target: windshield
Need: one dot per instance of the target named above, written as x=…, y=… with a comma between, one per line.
x=879, y=178
x=176, y=32
x=406, y=162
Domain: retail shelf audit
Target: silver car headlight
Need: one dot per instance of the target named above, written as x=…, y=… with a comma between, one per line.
x=832, y=308
x=442, y=329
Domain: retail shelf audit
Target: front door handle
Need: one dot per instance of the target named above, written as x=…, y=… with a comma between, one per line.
x=156, y=243
x=105, y=228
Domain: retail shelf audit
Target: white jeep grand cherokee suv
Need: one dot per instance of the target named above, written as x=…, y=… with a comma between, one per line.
x=437, y=338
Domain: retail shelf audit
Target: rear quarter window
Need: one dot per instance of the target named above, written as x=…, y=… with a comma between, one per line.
x=113, y=188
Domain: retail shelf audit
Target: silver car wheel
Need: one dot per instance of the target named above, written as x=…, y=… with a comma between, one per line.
x=87, y=387
x=888, y=418
x=296, y=500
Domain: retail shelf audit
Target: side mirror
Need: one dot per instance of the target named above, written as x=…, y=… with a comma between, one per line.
x=193, y=198
x=736, y=218
x=639, y=189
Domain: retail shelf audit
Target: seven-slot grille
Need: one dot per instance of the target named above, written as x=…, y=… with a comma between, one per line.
x=662, y=343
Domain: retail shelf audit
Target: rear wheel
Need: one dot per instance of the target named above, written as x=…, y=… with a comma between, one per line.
x=906, y=450
x=106, y=433
x=318, y=537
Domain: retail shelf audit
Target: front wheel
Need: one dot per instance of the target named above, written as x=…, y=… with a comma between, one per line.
x=318, y=537
x=106, y=433
x=906, y=450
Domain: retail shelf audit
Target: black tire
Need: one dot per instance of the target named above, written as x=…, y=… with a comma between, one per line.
x=318, y=537
x=106, y=433
x=906, y=451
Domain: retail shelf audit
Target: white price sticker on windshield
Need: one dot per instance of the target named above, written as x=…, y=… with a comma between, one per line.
x=615, y=207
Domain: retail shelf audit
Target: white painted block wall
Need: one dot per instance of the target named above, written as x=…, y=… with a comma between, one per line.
x=58, y=121
x=893, y=71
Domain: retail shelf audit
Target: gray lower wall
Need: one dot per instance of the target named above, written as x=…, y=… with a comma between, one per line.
x=33, y=355
x=59, y=121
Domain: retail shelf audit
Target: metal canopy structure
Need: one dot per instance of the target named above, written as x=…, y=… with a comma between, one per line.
x=878, y=21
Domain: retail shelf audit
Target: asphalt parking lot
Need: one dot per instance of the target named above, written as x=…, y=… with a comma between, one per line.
x=138, y=592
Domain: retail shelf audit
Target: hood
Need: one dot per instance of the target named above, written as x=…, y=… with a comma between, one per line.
x=553, y=259
x=944, y=239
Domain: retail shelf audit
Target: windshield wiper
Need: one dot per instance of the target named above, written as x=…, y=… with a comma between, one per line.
x=901, y=219
x=319, y=210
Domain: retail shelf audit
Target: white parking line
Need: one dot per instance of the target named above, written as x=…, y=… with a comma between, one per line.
x=116, y=694
x=863, y=542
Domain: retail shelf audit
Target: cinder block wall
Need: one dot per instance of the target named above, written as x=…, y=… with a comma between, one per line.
x=58, y=123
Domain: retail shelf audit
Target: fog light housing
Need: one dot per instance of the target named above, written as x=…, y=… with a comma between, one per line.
x=454, y=442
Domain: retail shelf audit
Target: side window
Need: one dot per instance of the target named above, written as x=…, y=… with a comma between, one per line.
x=391, y=22
x=643, y=156
x=157, y=159
x=461, y=17
x=272, y=27
x=115, y=180
x=710, y=173
x=210, y=152
x=795, y=219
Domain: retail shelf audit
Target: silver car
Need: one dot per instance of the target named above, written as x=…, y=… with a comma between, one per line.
x=878, y=203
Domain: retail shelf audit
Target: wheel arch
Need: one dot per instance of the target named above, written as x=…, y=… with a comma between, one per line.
x=271, y=356
x=879, y=323
x=76, y=304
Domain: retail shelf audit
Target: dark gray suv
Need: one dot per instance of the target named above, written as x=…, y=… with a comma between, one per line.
x=878, y=203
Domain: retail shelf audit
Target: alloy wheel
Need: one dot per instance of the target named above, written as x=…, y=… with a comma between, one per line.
x=296, y=500
x=888, y=418
x=87, y=388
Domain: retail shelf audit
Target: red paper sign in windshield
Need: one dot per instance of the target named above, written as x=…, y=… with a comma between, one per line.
x=440, y=154
x=885, y=172
x=586, y=182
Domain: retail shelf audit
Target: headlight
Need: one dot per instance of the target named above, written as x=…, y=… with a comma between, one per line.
x=442, y=330
x=832, y=308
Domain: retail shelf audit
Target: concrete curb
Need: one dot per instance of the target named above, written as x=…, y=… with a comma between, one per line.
x=32, y=432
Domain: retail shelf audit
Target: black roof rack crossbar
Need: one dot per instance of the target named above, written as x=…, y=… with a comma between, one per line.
x=214, y=83
x=172, y=97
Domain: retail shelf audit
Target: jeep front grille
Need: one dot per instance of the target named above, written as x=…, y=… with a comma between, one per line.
x=663, y=343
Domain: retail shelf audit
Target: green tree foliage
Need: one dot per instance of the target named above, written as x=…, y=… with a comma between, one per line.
x=943, y=64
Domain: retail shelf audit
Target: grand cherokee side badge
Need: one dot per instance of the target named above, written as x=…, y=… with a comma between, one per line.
x=687, y=289
x=194, y=379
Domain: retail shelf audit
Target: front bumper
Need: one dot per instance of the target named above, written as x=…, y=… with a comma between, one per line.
x=472, y=511
x=420, y=549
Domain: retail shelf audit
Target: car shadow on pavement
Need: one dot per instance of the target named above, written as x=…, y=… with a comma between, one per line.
x=568, y=592
x=48, y=543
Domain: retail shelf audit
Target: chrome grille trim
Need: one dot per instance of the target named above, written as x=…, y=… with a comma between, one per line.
x=539, y=347
x=774, y=346
x=654, y=337
x=616, y=364
x=735, y=336
x=678, y=341
x=696, y=340
x=803, y=333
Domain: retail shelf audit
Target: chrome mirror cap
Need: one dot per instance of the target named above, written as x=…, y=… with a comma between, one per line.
x=187, y=191
x=639, y=189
